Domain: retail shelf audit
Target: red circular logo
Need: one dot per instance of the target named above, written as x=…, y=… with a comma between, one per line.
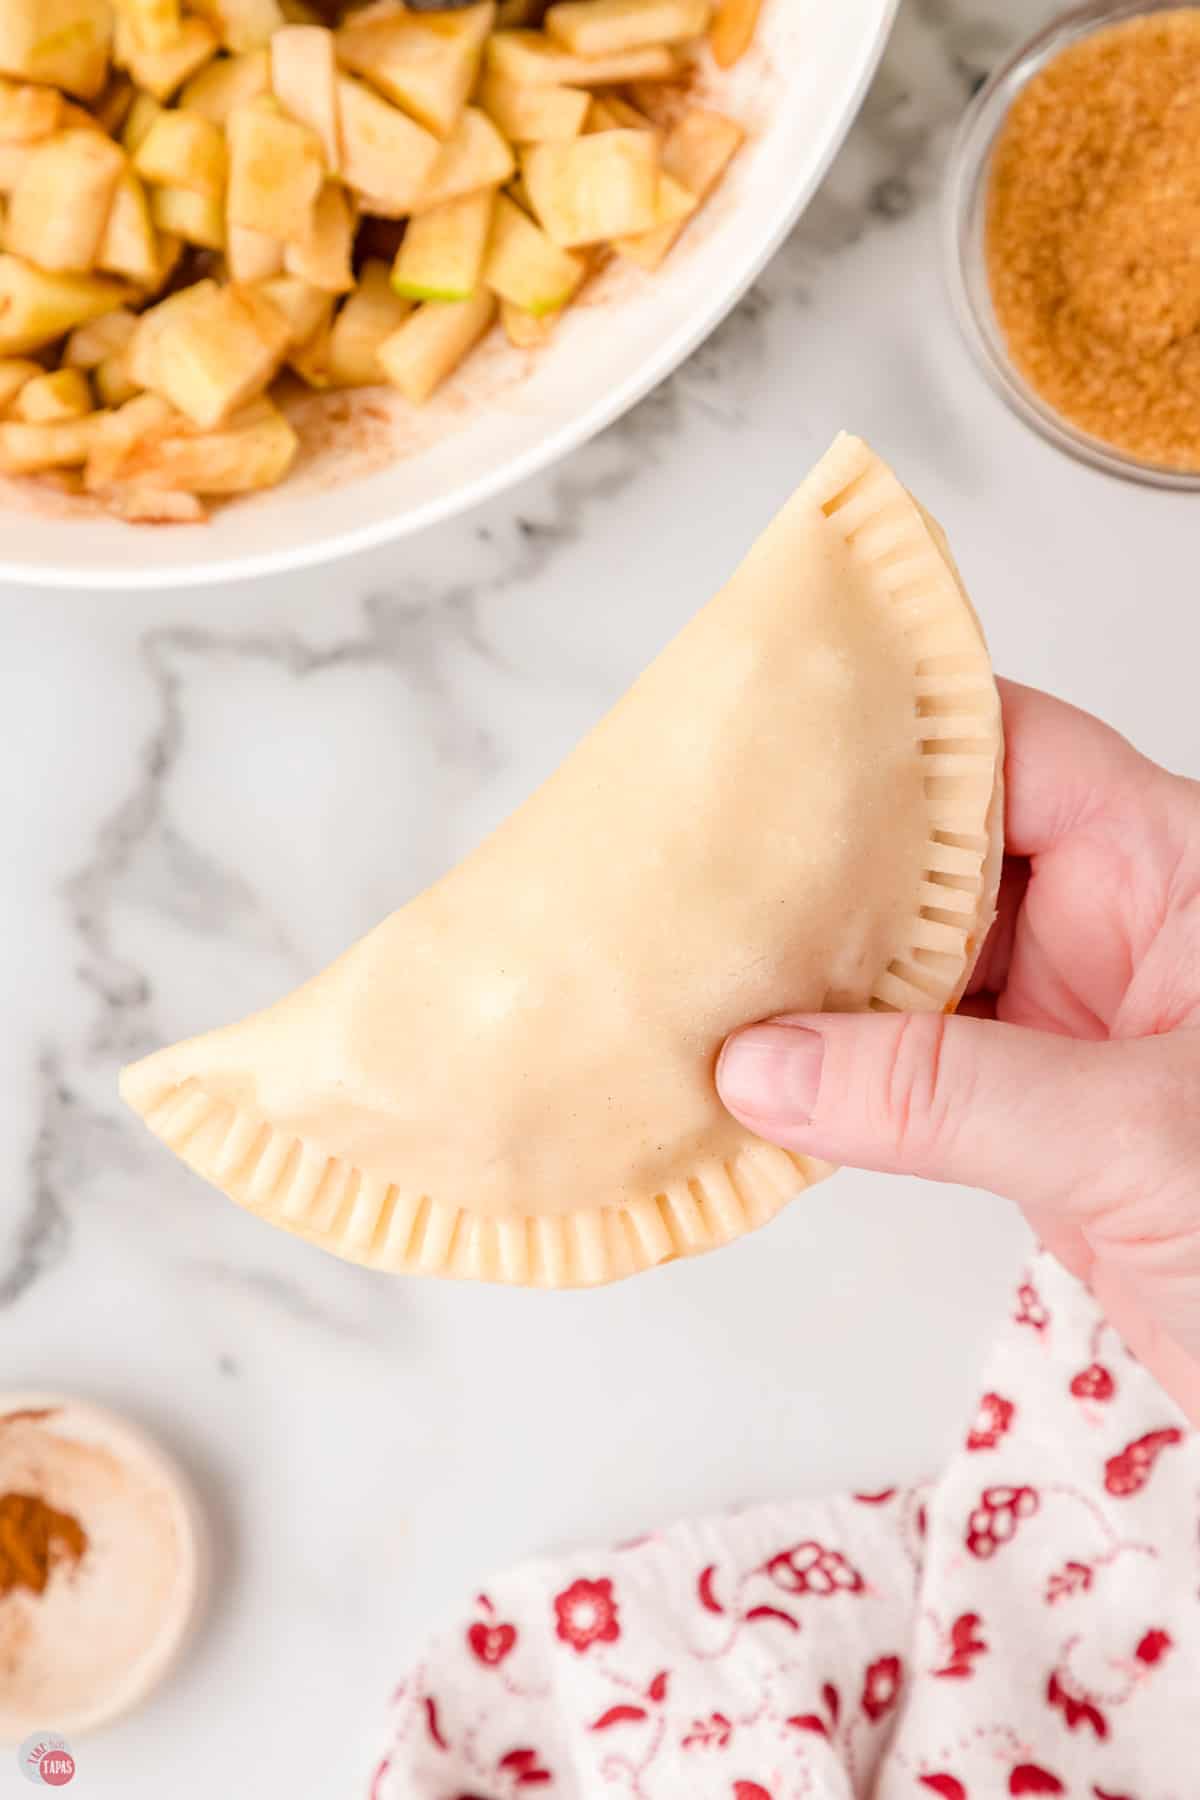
x=57, y=1767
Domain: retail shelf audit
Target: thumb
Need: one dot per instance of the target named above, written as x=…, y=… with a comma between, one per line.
x=1029, y=1115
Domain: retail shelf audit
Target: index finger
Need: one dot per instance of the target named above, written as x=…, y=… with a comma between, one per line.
x=1063, y=768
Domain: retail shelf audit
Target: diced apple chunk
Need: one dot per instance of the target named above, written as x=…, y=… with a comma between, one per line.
x=475, y=157
x=276, y=171
x=304, y=81
x=254, y=449
x=150, y=506
x=608, y=27
x=87, y=347
x=370, y=314
x=526, y=330
x=15, y=371
x=112, y=381
x=227, y=83
x=242, y=24
x=529, y=56
x=695, y=154
x=61, y=201
x=37, y=305
x=30, y=449
x=183, y=149
x=533, y=115
x=386, y=156
x=443, y=249
x=311, y=360
x=524, y=267
x=594, y=188
x=431, y=343
x=27, y=113
x=324, y=256
x=612, y=112
x=196, y=218
x=252, y=255
x=211, y=355
x=154, y=23
x=13, y=158
x=118, y=432
x=59, y=43
x=49, y=399
x=425, y=61
x=161, y=72
x=138, y=121
x=130, y=243
x=305, y=308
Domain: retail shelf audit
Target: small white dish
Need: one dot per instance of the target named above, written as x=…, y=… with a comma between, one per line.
x=110, y=1625
x=507, y=415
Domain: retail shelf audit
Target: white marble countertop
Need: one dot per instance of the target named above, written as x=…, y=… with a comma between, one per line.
x=205, y=796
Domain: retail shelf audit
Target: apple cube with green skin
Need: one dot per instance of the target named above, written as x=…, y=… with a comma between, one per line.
x=386, y=156
x=426, y=62
x=324, y=257
x=58, y=43
x=529, y=57
x=209, y=356
x=130, y=245
x=443, y=249
x=276, y=171
x=50, y=398
x=609, y=27
x=371, y=314
x=161, y=72
x=433, y=341
x=594, y=188
x=183, y=149
x=524, y=267
x=474, y=157
x=61, y=201
x=27, y=113
x=533, y=115
x=304, y=81
x=225, y=84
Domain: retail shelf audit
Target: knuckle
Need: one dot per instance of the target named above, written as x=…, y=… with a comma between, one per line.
x=919, y=1097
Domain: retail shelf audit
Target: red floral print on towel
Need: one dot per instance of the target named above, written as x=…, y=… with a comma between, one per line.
x=1022, y=1625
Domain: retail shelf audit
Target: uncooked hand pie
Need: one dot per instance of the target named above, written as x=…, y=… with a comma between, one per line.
x=796, y=807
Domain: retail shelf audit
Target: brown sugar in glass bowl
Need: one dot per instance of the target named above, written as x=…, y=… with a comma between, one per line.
x=1074, y=222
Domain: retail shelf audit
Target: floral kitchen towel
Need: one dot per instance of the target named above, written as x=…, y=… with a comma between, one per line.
x=1028, y=1623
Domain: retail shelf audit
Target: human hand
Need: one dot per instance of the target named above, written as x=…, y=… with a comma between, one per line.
x=1070, y=1080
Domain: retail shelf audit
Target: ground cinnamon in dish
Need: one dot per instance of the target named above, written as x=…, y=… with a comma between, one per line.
x=1093, y=238
x=34, y=1540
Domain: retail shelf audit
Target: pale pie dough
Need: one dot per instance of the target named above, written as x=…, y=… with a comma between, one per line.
x=797, y=806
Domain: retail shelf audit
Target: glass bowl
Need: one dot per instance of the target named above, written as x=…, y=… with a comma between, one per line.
x=967, y=184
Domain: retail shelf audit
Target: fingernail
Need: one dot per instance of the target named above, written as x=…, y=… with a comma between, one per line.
x=772, y=1072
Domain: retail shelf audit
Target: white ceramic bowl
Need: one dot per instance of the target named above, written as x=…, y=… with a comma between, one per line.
x=386, y=471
